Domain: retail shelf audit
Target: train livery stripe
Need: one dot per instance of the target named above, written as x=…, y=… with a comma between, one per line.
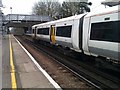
x=12, y=70
x=116, y=11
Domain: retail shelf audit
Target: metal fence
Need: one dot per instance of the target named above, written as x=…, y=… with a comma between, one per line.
x=19, y=17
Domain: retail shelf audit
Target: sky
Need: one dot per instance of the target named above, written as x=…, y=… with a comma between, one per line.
x=25, y=6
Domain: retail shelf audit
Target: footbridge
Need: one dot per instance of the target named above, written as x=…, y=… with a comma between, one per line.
x=14, y=20
x=24, y=22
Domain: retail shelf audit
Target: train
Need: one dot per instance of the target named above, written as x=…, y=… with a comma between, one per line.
x=94, y=33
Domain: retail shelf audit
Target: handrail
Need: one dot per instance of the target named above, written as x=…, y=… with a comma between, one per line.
x=20, y=17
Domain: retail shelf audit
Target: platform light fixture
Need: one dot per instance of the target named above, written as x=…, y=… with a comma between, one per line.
x=11, y=10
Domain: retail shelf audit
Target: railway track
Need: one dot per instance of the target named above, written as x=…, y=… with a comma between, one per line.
x=89, y=74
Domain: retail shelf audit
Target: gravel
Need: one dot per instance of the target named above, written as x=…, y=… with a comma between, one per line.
x=65, y=78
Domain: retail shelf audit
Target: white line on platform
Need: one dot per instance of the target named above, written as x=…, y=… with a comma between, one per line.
x=40, y=68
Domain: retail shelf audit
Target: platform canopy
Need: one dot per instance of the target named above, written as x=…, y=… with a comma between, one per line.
x=111, y=2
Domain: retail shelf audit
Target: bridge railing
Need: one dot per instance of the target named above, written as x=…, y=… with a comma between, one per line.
x=19, y=17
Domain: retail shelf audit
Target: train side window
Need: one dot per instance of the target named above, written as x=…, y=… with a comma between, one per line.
x=44, y=31
x=64, y=31
x=105, y=31
x=39, y=31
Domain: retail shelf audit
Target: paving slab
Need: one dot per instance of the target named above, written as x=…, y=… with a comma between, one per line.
x=29, y=75
x=6, y=81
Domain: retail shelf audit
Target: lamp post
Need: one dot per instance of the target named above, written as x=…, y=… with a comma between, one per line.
x=11, y=10
x=2, y=24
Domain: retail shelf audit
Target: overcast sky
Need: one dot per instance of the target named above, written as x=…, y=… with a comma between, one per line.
x=25, y=6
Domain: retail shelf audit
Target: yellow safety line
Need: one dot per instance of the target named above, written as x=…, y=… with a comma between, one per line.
x=13, y=79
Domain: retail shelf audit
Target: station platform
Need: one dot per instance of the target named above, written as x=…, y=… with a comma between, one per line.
x=19, y=69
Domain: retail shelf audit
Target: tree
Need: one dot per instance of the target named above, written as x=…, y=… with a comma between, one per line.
x=72, y=8
x=55, y=10
x=47, y=7
x=39, y=8
x=68, y=9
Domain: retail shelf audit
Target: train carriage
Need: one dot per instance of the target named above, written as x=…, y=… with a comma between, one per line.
x=103, y=33
x=94, y=33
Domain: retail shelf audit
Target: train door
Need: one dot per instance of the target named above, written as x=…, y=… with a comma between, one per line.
x=35, y=32
x=52, y=34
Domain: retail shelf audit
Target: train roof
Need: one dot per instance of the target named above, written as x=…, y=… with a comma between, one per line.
x=33, y=27
x=60, y=20
x=104, y=11
x=93, y=13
